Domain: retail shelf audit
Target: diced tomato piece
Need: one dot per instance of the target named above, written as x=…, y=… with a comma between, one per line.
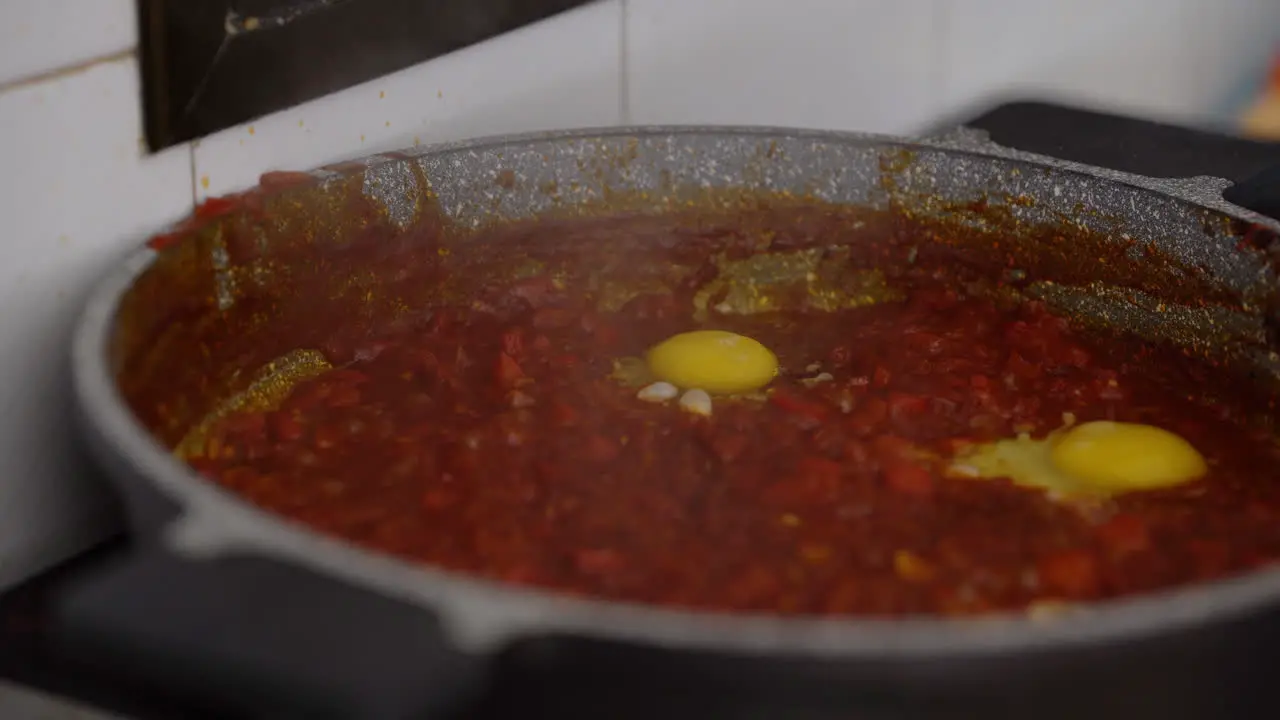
x=345, y=375
x=857, y=452
x=596, y=561
x=729, y=446
x=423, y=360
x=439, y=498
x=844, y=596
x=508, y=371
x=881, y=377
x=1111, y=390
x=1070, y=573
x=913, y=568
x=441, y=321
x=513, y=343
x=164, y=240
x=903, y=405
x=280, y=179
x=521, y=575
x=602, y=449
x=1077, y=357
x=563, y=414
x=751, y=585
x=814, y=480
x=823, y=474
x=1021, y=368
x=869, y=415
x=553, y=317
x=342, y=395
x=567, y=361
x=1209, y=557
x=926, y=343
x=794, y=404
x=369, y=351
x=649, y=305
x=1123, y=534
x=902, y=473
x=906, y=477
x=892, y=447
x=536, y=291
x=204, y=466
x=328, y=435
x=244, y=424
x=216, y=206
x=285, y=426
x=606, y=334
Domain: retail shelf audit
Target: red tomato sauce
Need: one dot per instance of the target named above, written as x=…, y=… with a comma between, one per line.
x=489, y=438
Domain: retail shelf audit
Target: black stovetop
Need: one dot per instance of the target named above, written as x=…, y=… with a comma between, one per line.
x=1142, y=147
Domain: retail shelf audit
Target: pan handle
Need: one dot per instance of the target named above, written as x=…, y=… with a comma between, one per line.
x=1259, y=193
x=257, y=638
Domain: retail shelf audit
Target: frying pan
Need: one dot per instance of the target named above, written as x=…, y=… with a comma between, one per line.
x=270, y=619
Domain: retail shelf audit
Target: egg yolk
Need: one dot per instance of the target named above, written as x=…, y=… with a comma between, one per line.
x=1091, y=459
x=713, y=360
x=1126, y=456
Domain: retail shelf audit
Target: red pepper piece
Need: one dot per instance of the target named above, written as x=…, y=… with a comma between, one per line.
x=508, y=371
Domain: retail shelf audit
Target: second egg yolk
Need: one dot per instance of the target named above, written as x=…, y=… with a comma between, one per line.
x=716, y=361
x=1089, y=460
x=1126, y=456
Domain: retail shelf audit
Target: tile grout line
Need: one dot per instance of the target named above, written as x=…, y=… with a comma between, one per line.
x=624, y=101
x=66, y=70
x=191, y=158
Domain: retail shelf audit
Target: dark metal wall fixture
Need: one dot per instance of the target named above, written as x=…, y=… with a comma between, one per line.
x=213, y=64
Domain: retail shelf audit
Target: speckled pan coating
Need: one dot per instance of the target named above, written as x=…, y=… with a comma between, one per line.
x=520, y=176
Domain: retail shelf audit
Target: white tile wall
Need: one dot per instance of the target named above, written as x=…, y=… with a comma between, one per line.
x=77, y=188
x=1178, y=59
x=846, y=64
x=561, y=72
x=37, y=36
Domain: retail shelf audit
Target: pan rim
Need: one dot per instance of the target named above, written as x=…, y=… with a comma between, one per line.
x=479, y=615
